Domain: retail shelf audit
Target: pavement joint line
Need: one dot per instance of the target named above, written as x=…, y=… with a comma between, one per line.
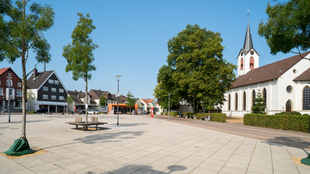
x=233, y=153
x=271, y=158
x=242, y=127
x=251, y=158
x=291, y=157
x=215, y=152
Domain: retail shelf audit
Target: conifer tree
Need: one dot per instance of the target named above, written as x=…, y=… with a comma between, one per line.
x=259, y=105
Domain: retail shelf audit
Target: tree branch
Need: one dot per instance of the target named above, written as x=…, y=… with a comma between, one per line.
x=30, y=72
x=302, y=40
x=35, y=38
x=7, y=40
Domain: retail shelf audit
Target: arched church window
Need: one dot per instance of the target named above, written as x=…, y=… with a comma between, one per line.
x=229, y=102
x=265, y=96
x=288, y=106
x=9, y=82
x=251, y=63
x=306, y=98
x=241, y=67
x=244, y=100
x=253, y=97
x=236, y=101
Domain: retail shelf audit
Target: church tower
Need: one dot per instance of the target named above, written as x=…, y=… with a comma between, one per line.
x=248, y=58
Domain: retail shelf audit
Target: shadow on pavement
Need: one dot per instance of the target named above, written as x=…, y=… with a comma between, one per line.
x=290, y=141
x=147, y=169
x=109, y=137
x=32, y=121
x=131, y=124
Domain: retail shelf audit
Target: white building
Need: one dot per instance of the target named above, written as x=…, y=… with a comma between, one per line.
x=285, y=84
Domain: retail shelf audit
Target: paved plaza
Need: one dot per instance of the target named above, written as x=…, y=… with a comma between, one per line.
x=139, y=145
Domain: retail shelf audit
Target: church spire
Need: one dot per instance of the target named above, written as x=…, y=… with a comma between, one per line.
x=248, y=43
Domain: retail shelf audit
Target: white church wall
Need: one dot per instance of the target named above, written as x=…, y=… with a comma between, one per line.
x=246, y=62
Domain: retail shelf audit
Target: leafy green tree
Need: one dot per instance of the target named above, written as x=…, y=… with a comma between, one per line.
x=103, y=101
x=69, y=99
x=259, y=105
x=22, y=31
x=287, y=27
x=79, y=54
x=30, y=96
x=130, y=100
x=201, y=72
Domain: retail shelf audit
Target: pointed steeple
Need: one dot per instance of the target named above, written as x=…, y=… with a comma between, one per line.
x=248, y=43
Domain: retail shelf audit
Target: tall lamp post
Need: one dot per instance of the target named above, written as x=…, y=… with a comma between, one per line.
x=9, y=97
x=117, y=94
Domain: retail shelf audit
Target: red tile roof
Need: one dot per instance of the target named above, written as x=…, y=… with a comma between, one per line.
x=2, y=70
x=268, y=72
x=147, y=101
x=305, y=76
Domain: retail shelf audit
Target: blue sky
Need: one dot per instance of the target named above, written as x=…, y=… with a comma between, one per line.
x=132, y=36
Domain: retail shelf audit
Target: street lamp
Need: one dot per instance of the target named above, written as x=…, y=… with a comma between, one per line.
x=169, y=108
x=9, y=97
x=117, y=95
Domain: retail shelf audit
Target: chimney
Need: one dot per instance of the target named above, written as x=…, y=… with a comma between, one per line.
x=99, y=90
x=75, y=91
x=78, y=95
x=35, y=73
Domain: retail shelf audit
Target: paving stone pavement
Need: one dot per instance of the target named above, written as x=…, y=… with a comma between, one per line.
x=139, y=145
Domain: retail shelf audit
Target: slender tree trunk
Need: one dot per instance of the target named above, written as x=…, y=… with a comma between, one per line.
x=86, y=108
x=203, y=107
x=194, y=104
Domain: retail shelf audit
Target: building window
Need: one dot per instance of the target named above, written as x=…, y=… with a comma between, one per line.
x=1, y=91
x=45, y=96
x=9, y=82
x=265, y=96
x=51, y=81
x=45, y=88
x=19, y=93
x=61, y=97
x=56, y=82
x=289, y=89
x=229, y=102
x=236, y=101
x=253, y=97
x=53, y=89
x=288, y=107
x=306, y=98
x=241, y=63
x=244, y=100
x=294, y=71
x=251, y=63
x=61, y=90
x=53, y=97
x=19, y=84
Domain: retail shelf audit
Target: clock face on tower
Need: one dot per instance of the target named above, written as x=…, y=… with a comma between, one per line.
x=252, y=52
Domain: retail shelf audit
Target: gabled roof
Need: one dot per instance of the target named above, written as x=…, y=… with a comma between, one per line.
x=248, y=43
x=268, y=72
x=35, y=83
x=147, y=101
x=305, y=76
x=75, y=96
x=96, y=94
x=2, y=70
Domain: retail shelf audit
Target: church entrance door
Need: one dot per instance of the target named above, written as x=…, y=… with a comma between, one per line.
x=288, y=106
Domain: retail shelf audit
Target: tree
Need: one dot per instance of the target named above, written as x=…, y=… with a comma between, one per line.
x=259, y=105
x=200, y=72
x=22, y=31
x=287, y=27
x=30, y=96
x=103, y=101
x=79, y=54
x=130, y=100
x=69, y=99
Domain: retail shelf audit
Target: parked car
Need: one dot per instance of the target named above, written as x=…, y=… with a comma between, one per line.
x=82, y=112
x=41, y=110
x=96, y=112
x=90, y=112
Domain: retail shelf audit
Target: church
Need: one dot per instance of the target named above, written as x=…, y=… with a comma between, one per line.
x=284, y=85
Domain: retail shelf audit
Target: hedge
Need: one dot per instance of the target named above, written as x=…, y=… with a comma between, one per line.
x=285, y=122
x=173, y=114
x=219, y=117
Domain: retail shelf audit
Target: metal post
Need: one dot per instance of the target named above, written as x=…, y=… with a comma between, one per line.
x=118, y=76
x=169, y=108
x=9, y=102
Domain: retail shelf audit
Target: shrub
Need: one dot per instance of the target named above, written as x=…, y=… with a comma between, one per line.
x=306, y=115
x=30, y=112
x=161, y=113
x=289, y=113
x=219, y=117
x=279, y=121
x=173, y=114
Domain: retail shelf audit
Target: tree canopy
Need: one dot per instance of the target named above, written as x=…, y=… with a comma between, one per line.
x=21, y=31
x=259, y=104
x=103, y=101
x=79, y=54
x=130, y=100
x=196, y=69
x=287, y=27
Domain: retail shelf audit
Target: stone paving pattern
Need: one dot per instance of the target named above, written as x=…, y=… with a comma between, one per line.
x=141, y=145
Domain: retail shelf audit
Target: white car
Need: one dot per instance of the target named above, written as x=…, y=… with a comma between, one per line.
x=90, y=112
x=96, y=112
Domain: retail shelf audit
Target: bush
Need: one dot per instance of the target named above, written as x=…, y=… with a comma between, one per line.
x=289, y=113
x=161, y=113
x=219, y=117
x=202, y=115
x=173, y=114
x=306, y=115
x=279, y=121
x=30, y=112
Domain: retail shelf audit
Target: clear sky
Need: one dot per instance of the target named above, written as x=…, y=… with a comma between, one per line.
x=132, y=36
